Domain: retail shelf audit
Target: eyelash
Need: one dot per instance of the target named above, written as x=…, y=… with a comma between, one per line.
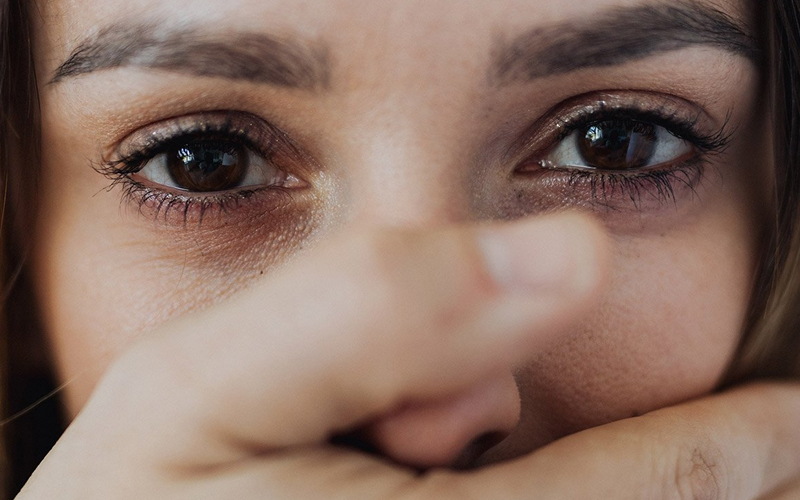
x=122, y=170
x=660, y=181
x=659, y=184
x=604, y=188
x=682, y=128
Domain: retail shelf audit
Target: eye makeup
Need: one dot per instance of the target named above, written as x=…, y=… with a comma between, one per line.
x=216, y=163
x=680, y=140
x=625, y=151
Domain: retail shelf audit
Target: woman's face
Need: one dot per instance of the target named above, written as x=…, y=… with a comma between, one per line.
x=190, y=147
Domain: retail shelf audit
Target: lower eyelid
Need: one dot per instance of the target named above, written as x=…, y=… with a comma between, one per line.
x=179, y=210
x=613, y=192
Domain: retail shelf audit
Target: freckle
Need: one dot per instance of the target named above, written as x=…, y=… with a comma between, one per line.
x=261, y=272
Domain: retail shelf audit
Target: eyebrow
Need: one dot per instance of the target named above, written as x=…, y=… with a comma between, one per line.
x=613, y=37
x=617, y=36
x=252, y=57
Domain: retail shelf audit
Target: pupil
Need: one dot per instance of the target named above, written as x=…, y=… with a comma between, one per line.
x=618, y=145
x=207, y=166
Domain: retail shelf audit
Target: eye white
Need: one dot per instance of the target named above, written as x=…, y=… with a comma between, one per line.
x=668, y=148
x=259, y=172
x=155, y=170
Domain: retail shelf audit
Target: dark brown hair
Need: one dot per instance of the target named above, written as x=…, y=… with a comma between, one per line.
x=23, y=442
x=769, y=349
x=771, y=346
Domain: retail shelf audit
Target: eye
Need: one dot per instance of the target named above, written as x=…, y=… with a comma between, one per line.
x=618, y=146
x=209, y=166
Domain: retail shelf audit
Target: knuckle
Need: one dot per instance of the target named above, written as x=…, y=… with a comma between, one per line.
x=380, y=261
x=375, y=295
x=414, y=290
x=383, y=254
x=426, y=282
x=700, y=473
x=442, y=485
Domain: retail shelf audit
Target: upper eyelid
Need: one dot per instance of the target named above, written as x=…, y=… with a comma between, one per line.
x=557, y=123
x=255, y=133
x=266, y=139
x=151, y=136
x=164, y=143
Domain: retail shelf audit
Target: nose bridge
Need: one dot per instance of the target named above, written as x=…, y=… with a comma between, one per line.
x=403, y=129
x=407, y=188
x=407, y=175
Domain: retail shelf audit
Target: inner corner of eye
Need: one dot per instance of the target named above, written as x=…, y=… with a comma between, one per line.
x=566, y=151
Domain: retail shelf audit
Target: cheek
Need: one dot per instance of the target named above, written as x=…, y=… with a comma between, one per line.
x=97, y=303
x=665, y=331
x=104, y=274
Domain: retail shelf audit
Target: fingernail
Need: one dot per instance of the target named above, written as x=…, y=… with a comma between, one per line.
x=554, y=254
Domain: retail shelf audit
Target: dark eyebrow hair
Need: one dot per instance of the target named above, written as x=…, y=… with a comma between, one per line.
x=251, y=57
x=617, y=36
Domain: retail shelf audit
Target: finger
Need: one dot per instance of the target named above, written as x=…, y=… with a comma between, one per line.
x=723, y=448
x=735, y=446
x=452, y=431
x=358, y=329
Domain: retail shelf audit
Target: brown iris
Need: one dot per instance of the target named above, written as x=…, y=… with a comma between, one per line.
x=205, y=166
x=617, y=144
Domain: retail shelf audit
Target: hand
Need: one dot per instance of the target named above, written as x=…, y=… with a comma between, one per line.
x=241, y=400
x=742, y=445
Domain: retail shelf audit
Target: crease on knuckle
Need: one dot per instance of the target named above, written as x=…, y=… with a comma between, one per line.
x=431, y=300
x=700, y=473
x=440, y=484
x=381, y=260
x=378, y=299
x=414, y=300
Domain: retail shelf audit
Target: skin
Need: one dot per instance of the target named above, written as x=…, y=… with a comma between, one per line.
x=409, y=134
x=199, y=409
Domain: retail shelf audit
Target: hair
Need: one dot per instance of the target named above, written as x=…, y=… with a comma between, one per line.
x=770, y=347
x=24, y=441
